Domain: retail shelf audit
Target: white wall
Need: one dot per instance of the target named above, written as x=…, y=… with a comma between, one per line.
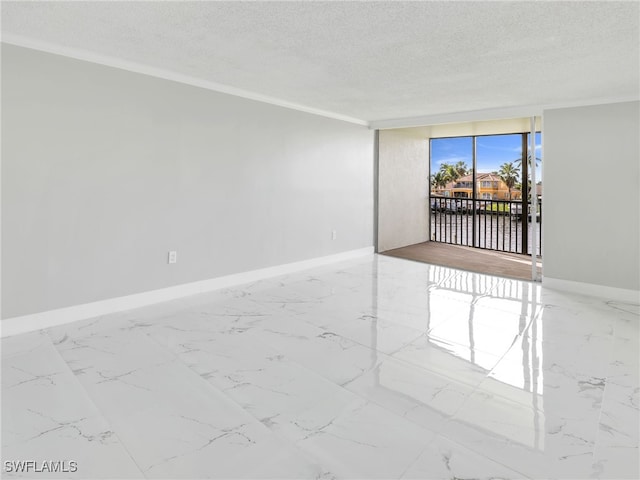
x=104, y=171
x=403, y=188
x=591, y=195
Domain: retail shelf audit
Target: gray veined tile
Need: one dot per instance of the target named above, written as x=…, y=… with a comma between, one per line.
x=419, y=318
x=559, y=320
x=443, y=458
x=94, y=327
x=376, y=368
x=628, y=313
x=21, y=344
x=372, y=332
x=580, y=367
x=286, y=298
x=624, y=363
x=440, y=309
x=628, y=328
x=91, y=443
x=365, y=441
x=616, y=462
x=171, y=420
x=542, y=435
x=265, y=383
x=500, y=319
x=326, y=353
x=481, y=339
x=332, y=283
x=111, y=357
x=46, y=415
x=421, y=396
x=206, y=325
x=620, y=417
x=461, y=363
x=211, y=441
x=576, y=302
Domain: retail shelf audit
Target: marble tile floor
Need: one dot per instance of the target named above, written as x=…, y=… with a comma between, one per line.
x=372, y=368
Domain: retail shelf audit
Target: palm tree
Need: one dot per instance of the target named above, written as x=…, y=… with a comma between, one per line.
x=509, y=174
x=461, y=168
x=450, y=172
x=439, y=180
x=518, y=162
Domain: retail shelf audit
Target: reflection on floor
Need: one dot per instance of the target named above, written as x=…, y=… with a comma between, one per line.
x=373, y=368
x=471, y=259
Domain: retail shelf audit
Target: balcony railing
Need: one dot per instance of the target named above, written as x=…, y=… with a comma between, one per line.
x=491, y=224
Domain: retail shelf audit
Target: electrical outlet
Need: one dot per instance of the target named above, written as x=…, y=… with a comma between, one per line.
x=173, y=256
x=334, y=234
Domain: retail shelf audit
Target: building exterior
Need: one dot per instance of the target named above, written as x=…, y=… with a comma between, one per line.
x=489, y=187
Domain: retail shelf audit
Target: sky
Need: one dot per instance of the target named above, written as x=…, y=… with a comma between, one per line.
x=492, y=151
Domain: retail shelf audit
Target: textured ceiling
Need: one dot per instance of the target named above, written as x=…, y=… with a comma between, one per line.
x=365, y=60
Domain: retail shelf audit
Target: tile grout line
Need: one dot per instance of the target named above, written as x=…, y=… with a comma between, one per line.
x=88, y=397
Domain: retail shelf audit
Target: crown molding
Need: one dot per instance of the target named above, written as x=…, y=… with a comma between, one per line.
x=457, y=117
x=592, y=102
x=92, y=57
x=493, y=113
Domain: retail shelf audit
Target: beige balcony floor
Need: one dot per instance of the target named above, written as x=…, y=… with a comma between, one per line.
x=490, y=262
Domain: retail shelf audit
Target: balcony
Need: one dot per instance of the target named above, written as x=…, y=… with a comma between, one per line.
x=489, y=224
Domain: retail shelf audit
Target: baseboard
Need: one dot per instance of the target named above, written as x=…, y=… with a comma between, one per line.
x=600, y=291
x=51, y=318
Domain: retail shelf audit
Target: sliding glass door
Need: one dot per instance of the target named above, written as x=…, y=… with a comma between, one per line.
x=480, y=189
